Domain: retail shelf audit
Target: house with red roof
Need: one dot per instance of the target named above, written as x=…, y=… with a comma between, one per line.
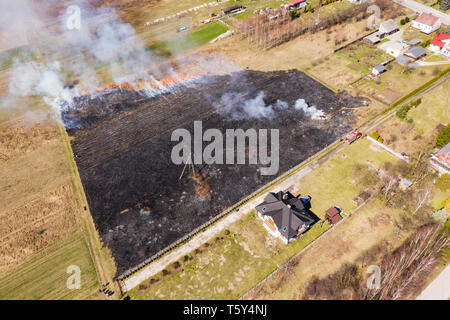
x=441, y=159
x=441, y=44
x=297, y=4
x=426, y=22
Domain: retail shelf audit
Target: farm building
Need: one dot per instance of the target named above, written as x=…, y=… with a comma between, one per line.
x=426, y=23
x=415, y=53
x=441, y=159
x=233, y=9
x=386, y=28
x=441, y=44
x=333, y=215
x=285, y=216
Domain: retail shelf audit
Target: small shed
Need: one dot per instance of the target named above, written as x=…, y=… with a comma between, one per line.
x=379, y=69
x=404, y=184
x=333, y=215
x=373, y=38
x=414, y=42
x=404, y=61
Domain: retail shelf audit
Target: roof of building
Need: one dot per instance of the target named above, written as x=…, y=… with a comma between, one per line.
x=287, y=212
x=388, y=26
x=438, y=39
x=374, y=37
x=427, y=19
x=413, y=42
x=445, y=149
x=415, y=52
x=333, y=215
x=395, y=46
x=232, y=8
x=295, y=2
x=402, y=60
x=405, y=182
x=380, y=68
x=444, y=154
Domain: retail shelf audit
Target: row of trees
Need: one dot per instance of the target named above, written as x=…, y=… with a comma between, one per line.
x=267, y=31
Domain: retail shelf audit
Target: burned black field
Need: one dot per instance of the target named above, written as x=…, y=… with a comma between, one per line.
x=122, y=145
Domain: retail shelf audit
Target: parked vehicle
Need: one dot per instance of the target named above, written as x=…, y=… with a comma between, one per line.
x=353, y=136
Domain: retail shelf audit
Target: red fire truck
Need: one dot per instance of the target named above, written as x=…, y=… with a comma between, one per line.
x=353, y=136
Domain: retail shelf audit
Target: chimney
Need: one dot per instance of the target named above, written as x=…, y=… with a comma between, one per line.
x=285, y=196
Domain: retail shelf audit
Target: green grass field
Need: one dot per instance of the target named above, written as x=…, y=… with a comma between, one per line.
x=45, y=275
x=433, y=110
x=188, y=41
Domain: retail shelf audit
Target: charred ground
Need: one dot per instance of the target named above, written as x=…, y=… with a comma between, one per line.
x=122, y=143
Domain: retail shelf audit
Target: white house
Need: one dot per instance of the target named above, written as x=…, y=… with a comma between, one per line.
x=395, y=49
x=441, y=44
x=426, y=22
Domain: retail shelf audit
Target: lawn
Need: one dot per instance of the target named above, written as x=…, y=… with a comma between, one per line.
x=185, y=42
x=434, y=109
x=228, y=268
x=396, y=82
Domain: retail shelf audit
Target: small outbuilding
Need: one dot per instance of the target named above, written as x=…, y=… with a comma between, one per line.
x=404, y=184
x=404, y=61
x=379, y=69
x=333, y=215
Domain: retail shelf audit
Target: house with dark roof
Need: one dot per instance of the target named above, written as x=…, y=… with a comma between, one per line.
x=426, y=22
x=233, y=9
x=415, y=53
x=441, y=44
x=285, y=216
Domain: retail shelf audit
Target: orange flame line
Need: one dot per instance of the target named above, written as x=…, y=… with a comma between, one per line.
x=165, y=83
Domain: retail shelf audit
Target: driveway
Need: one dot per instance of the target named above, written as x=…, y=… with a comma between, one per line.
x=439, y=289
x=418, y=7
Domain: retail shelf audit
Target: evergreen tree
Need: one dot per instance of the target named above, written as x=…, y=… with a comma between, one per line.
x=445, y=4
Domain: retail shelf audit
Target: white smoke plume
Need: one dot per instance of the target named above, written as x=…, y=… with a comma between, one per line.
x=312, y=111
x=282, y=104
x=234, y=106
x=103, y=43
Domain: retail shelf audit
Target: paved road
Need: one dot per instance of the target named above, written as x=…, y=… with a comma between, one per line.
x=439, y=289
x=418, y=7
